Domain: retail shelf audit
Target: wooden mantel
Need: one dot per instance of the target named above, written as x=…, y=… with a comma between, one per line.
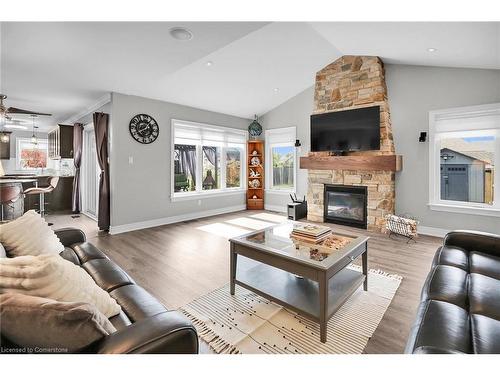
x=355, y=163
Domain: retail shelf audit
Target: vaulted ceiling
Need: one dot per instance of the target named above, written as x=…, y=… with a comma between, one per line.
x=63, y=68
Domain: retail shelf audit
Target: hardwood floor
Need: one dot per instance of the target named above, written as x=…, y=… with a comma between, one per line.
x=180, y=262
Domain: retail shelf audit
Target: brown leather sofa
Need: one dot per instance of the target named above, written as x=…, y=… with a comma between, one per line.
x=144, y=324
x=459, y=310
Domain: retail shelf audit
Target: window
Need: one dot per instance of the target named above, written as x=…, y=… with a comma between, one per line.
x=464, y=150
x=31, y=156
x=206, y=159
x=281, y=160
x=233, y=167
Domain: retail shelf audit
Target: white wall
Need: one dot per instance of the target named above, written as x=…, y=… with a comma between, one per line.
x=140, y=192
x=413, y=91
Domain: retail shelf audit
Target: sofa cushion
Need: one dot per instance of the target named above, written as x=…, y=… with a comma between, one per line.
x=485, y=264
x=86, y=251
x=444, y=325
x=452, y=256
x=107, y=274
x=120, y=321
x=51, y=276
x=70, y=255
x=485, y=334
x=448, y=284
x=484, y=296
x=29, y=235
x=137, y=303
x=46, y=324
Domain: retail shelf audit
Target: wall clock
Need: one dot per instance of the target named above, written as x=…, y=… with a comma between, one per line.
x=144, y=129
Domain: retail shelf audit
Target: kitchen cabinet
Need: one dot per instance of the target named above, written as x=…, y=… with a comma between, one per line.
x=61, y=142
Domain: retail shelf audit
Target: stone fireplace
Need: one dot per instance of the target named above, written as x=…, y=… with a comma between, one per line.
x=348, y=83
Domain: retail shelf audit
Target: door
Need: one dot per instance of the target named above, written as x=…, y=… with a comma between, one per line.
x=454, y=182
x=90, y=173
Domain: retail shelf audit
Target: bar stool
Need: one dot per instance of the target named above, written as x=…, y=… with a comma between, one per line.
x=42, y=190
x=9, y=195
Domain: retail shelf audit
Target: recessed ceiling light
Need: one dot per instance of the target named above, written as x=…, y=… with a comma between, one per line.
x=181, y=33
x=276, y=89
x=209, y=63
x=431, y=49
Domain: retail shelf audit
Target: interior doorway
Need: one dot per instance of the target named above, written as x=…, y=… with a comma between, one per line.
x=90, y=173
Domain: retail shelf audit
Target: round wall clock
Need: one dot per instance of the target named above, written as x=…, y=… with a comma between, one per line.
x=144, y=129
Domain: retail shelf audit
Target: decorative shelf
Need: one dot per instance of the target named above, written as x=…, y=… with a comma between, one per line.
x=354, y=162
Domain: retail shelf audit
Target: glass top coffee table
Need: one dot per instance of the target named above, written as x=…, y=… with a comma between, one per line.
x=322, y=286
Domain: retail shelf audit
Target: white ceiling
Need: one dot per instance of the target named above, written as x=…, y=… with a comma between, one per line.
x=63, y=68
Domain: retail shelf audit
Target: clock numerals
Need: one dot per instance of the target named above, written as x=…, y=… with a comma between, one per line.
x=144, y=129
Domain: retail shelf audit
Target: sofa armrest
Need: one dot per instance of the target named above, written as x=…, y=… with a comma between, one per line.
x=169, y=332
x=70, y=236
x=474, y=241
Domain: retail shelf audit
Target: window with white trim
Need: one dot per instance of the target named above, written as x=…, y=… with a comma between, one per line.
x=207, y=159
x=31, y=155
x=281, y=160
x=464, y=152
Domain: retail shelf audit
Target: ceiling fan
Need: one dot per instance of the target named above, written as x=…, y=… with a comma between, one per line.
x=5, y=112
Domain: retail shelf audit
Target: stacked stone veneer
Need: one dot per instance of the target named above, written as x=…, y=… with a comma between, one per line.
x=348, y=83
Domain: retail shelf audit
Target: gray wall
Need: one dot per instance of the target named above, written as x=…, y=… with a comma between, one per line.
x=295, y=112
x=413, y=92
x=141, y=191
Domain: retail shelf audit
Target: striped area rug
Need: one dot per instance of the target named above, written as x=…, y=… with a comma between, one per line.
x=247, y=323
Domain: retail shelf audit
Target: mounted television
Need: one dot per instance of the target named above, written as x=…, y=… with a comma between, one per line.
x=350, y=130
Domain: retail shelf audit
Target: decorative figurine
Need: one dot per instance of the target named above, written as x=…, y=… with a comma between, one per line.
x=255, y=129
x=255, y=161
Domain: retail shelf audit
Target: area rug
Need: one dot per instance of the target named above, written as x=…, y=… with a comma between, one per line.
x=247, y=323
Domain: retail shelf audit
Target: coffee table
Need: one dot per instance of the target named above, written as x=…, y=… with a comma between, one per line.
x=288, y=276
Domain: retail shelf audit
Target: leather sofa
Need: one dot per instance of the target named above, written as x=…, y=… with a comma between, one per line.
x=144, y=324
x=460, y=302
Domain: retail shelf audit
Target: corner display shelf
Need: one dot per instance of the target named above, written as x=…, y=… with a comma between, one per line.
x=255, y=193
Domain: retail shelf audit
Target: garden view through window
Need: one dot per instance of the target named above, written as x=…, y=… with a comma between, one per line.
x=32, y=156
x=467, y=168
x=207, y=157
x=283, y=159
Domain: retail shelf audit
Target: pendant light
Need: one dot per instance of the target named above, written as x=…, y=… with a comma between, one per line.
x=34, y=139
x=4, y=135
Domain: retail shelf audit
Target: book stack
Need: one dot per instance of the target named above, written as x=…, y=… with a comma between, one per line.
x=310, y=233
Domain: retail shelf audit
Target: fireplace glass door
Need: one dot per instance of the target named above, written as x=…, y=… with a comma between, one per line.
x=346, y=205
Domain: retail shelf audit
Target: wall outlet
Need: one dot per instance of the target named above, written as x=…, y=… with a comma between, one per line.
x=131, y=160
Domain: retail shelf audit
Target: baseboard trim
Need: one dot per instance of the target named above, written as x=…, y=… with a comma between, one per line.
x=432, y=231
x=116, y=229
x=276, y=208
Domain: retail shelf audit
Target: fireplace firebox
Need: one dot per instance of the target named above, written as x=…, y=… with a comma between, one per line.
x=346, y=205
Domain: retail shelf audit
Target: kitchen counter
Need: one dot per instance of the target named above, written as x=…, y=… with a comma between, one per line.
x=59, y=200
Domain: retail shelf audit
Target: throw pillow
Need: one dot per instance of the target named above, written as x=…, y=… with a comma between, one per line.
x=51, y=326
x=51, y=276
x=29, y=235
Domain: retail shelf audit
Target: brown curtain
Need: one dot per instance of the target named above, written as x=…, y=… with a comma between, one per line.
x=101, y=121
x=77, y=158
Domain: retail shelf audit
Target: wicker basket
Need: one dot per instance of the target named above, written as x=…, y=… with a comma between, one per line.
x=402, y=226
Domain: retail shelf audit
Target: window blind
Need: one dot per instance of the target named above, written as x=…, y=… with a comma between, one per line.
x=281, y=135
x=467, y=120
x=194, y=133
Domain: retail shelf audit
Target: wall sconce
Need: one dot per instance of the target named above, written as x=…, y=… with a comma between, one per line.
x=298, y=146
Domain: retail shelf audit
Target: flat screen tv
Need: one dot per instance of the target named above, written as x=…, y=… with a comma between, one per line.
x=350, y=130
